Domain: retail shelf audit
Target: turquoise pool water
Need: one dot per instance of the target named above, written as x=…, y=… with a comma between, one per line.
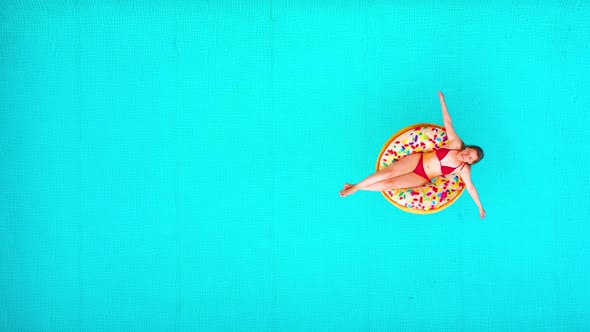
x=175, y=166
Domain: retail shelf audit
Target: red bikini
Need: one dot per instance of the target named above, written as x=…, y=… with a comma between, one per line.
x=440, y=155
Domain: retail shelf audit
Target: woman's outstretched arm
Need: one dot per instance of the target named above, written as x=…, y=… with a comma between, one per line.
x=452, y=135
x=466, y=177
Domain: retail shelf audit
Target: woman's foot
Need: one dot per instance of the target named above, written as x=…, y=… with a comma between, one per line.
x=348, y=189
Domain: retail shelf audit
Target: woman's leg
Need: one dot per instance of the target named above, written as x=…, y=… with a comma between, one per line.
x=405, y=165
x=410, y=180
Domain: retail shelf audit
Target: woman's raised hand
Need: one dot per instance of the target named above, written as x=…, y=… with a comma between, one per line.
x=440, y=95
x=482, y=213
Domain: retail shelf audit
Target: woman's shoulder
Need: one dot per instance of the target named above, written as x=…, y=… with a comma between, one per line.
x=464, y=170
x=453, y=145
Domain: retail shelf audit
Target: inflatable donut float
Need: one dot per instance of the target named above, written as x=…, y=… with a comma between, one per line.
x=434, y=196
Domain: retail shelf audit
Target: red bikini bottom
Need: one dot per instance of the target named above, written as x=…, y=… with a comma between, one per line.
x=420, y=168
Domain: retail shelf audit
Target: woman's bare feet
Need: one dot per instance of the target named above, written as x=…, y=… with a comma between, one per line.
x=348, y=189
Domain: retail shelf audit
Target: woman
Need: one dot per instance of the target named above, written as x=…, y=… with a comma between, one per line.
x=417, y=169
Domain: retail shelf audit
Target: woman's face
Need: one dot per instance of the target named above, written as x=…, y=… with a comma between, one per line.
x=469, y=155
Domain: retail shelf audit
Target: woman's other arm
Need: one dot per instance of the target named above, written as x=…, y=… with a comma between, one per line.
x=452, y=135
x=466, y=177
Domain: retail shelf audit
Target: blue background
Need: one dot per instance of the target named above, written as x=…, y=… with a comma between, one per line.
x=175, y=166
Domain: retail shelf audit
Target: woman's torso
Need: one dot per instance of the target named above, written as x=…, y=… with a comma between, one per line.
x=433, y=167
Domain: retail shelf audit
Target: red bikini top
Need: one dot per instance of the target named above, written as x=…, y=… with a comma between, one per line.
x=440, y=155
